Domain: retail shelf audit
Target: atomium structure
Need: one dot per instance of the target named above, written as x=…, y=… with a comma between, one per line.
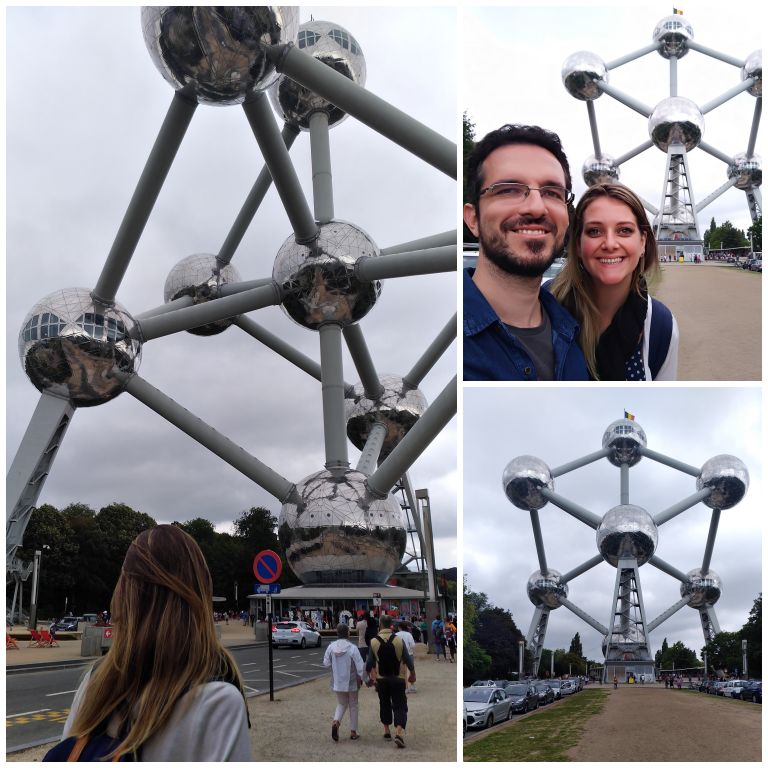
x=80, y=348
x=626, y=537
x=676, y=127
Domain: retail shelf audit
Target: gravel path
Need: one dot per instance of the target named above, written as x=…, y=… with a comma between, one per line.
x=652, y=724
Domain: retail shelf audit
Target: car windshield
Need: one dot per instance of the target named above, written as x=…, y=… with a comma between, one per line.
x=554, y=683
x=516, y=690
x=477, y=694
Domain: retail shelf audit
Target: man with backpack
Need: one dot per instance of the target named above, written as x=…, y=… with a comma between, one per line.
x=387, y=653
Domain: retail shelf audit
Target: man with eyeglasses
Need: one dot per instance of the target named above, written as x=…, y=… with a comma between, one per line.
x=519, y=185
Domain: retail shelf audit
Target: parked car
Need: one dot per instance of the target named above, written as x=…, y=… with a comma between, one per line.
x=752, y=690
x=485, y=705
x=756, y=265
x=719, y=686
x=469, y=255
x=66, y=624
x=567, y=687
x=544, y=692
x=484, y=684
x=523, y=697
x=733, y=689
x=555, y=685
x=295, y=633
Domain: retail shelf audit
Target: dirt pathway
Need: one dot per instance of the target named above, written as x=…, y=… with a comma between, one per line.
x=651, y=724
x=718, y=310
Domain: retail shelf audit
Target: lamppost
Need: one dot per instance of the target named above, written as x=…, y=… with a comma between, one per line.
x=35, y=584
x=744, y=658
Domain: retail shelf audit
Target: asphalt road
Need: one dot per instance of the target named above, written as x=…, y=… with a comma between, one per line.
x=38, y=703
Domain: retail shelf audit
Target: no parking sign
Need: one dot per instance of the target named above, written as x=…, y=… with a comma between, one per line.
x=267, y=566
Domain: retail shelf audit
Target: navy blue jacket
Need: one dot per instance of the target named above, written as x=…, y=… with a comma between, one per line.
x=493, y=353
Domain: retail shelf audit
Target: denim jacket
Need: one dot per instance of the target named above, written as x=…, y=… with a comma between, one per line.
x=493, y=353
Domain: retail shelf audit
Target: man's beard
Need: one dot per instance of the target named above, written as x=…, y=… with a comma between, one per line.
x=495, y=249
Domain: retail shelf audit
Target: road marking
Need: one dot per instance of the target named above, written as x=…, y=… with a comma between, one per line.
x=61, y=693
x=249, y=663
x=289, y=674
x=24, y=714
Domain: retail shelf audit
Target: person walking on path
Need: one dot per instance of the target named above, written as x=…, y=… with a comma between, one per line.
x=347, y=671
x=362, y=635
x=438, y=638
x=409, y=644
x=615, y=682
x=450, y=637
x=388, y=652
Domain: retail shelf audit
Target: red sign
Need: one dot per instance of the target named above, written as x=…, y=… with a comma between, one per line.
x=107, y=634
x=267, y=566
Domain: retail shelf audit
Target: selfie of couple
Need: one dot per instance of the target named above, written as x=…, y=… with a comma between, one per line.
x=596, y=319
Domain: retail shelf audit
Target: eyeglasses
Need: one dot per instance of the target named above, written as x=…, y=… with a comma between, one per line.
x=515, y=192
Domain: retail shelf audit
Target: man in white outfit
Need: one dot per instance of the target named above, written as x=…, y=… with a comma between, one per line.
x=347, y=671
x=410, y=644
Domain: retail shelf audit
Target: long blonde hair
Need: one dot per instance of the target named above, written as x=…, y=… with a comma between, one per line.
x=573, y=286
x=164, y=640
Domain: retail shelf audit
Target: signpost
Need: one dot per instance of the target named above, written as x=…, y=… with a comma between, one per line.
x=267, y=568
x=377, y=599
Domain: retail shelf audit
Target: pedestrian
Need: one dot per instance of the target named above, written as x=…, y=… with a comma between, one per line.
x=423, y=627
x=450, y=637
x=388, y=652
x=410, y=645
x=167, y=690
x=438, y=640
x=615, y=682
x=371, y=629
x=347, y=671
x=362, y=635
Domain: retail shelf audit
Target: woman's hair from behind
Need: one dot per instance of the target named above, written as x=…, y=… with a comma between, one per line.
x=164, y=641
x=573, y=287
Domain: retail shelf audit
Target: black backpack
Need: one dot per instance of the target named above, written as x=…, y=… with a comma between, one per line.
x=86, y=749
x=389, y=664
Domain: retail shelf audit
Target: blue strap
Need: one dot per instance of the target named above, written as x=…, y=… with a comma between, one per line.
x=661, y=336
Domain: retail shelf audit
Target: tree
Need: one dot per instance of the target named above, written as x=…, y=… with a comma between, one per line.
x=678, y=656
x=576, y=646
x=752, y=632
x=725, y=236
x=468, y=146
x=724, y=652
x=755, y=232
x=664, y=644
x=477, y=662
x=498, y=635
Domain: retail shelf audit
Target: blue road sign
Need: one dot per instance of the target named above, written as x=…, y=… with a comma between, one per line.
x=266, y=589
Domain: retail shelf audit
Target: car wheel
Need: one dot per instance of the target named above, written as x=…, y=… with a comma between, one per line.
x=303, y=642
x=319, y=641
x=489, y=722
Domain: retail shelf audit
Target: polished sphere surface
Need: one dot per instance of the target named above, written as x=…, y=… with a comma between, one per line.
x=673, y=33
x=339, y=532
x=217, y=54
x=581, y=72
x=627, y=531
x=676, y=120
x=546, y=589
x=753, y=67
x=319, y=281
x=398, y=408
x=200, y=277
x=335, y=47
x=600, y=170
x=624, y=437
x=70, y=346
x=728, y=478
x=704, y=590
x=748, y=171
x=523, y=479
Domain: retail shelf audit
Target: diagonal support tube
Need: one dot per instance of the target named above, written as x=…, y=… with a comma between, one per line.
x=631, y=56
x=208, y=437
x=421, y=434
x=755, y=126
x=639, y=149
x=372, y=449
x=424, y=262
x=593, y=128
x=594, y=623
x=673, y=511
x=374, y=112
x=322, y=178
x=171, y=306
x=661, y=618
x=537, y=537
x=276, y=156
x=150, y=183
x=710, y=150
x=583, y=568
x=694, y=46
x=728, y=95
x=579, y=463
x=361, y=357
x=332, y=377
x=710, y=545
x=719, y=191
x=669, y=461
x=432, y=354
x=670, y=570
x=586, y=517
x=626, y=100
x=431, y=241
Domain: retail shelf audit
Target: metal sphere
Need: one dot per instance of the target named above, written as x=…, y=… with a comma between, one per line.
x=676, y=120
x=547, y=589
x=624, y=437
x=217, y=54
x=728, y=478
x=705, y=589
x=600, y=170
x=319, y=279
x=627, y=531
x=753, y=67
x=523, y=479
x=581, y=72
x=70, y=346
x=673, y=32
x=334, y=46
x=398, y=408
x=339, y=532
x=748, y=171
x=200, y=277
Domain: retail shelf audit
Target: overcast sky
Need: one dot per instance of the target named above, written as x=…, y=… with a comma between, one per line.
x=84, y=104
x=560, y=424
x=511, y=74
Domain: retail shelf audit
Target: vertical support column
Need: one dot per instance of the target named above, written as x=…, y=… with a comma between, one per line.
x=332, y=376
x=322, y=178
x=536, y=634
x=673, y=75
x=624, y=493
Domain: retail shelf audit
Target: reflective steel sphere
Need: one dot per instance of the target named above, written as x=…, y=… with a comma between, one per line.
x=340, y=533
x=581, y=72
x=627, y=531
x=332, y=45
x=546, y=589
x=728, y=478
x=673, y=32
x=676, y=120
x=600, y=170
x=705, y=590
x=624, y=437
x=747, y=171
x=69, y=347
x=319, y=279
x=217, y=54
x=523, y=479
x=200, y=277
x=398, y=407
x=753, y=67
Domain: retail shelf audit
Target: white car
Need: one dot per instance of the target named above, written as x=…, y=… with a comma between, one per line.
x=733, y=689
x=486, y=706
x=295, y=633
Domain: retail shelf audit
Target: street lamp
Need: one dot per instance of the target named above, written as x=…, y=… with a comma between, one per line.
x=35, y=584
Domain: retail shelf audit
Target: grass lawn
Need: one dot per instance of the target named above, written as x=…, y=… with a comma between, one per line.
x=545, y=736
